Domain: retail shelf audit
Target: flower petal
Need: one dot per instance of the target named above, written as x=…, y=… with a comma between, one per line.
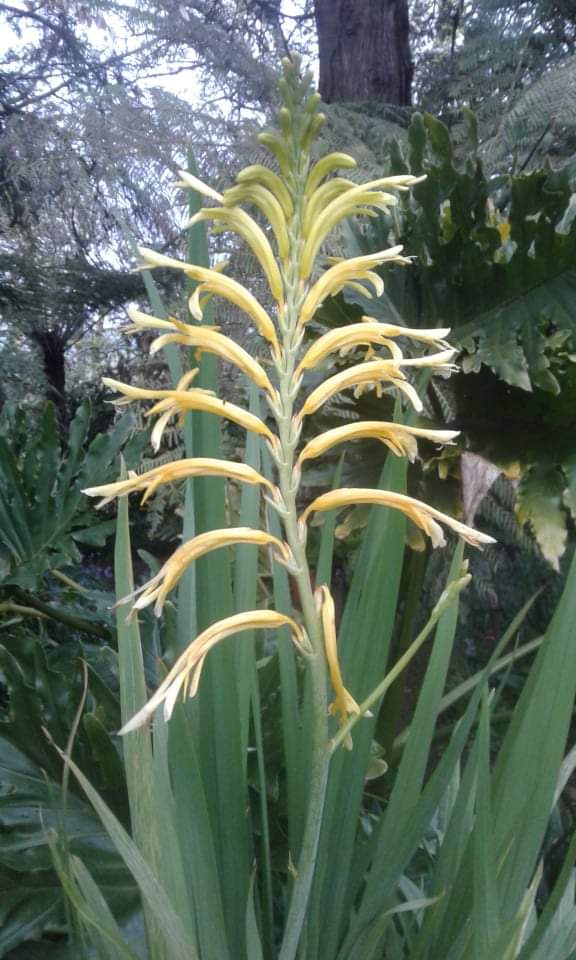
x=344, y=703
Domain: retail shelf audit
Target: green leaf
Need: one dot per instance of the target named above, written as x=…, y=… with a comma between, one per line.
x=540, y=494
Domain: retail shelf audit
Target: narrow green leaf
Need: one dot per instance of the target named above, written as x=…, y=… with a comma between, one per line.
x=155, y=899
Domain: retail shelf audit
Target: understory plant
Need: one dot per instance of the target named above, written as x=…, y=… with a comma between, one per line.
x=256, y=829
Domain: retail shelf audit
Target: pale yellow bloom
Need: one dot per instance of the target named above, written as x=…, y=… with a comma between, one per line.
x=369, y=331
x=158, y=588
x=237, y=220
x=372, y=372
x=425, y=517
x=357, y=268
x=222, y=286
x=325, y=166
x=349, y=203
x=172, y=472
x=206, y=338
x=399, y=438
x=257, y=173
x=324, y=195
x=267, y=203
x=344, y=703
x=182, y=400
x=185, y=674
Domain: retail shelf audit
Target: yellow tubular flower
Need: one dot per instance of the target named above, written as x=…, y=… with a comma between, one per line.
x=158, y=588
x=268, y=205
x=375, y=371
x=237, y=220
x=186, y=670
x=325, y=166
x=220, y=285
x=257, y=173
x=357, y=268
x=172, y=472
x=206, y=338
x=322, y=197
x=399, y=438
x=180, y=402
x=425, y=517
x=345, y=205
x=344, y=703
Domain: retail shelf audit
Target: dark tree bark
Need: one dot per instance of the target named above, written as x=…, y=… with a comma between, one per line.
x=364, y=50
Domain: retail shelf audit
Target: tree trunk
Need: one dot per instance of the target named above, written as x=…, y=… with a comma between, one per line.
x=364, y=50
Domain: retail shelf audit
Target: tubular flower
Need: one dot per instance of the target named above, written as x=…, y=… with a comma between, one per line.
x=425, y=517
x=215, y=282
x=181, y=401
x=399, y=438
x=358, y=268
x=185, y=674
x=179, y=470
x=241, y=223
x=297, y=206
x=158, y=588
x=344, y=703
x=205, y=338
x=369, y=332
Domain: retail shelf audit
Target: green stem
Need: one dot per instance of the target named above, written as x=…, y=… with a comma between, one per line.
x=319, y=757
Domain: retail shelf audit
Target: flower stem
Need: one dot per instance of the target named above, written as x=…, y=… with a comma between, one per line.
x=289, y=478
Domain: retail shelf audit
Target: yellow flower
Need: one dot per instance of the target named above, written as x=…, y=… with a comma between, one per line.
x=185, y=674
x=357, y=268
x=181, y=401
x=172, y=472
x=367, y=332
x=349, y=202
x=399, y=438
x=425, y=517
x=268, y=204
x=373, y=372
x=344, y=703
x=233, y=218
x=215, y=282
x=206, y=338
x=158, y=588
x=257, y=173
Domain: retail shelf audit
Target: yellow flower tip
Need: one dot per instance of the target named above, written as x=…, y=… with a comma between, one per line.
x=193, y=183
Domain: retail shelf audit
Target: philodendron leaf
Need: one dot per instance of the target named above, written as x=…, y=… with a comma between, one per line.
x=540, y=504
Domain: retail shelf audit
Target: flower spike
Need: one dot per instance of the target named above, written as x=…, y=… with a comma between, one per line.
x=186, y=671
